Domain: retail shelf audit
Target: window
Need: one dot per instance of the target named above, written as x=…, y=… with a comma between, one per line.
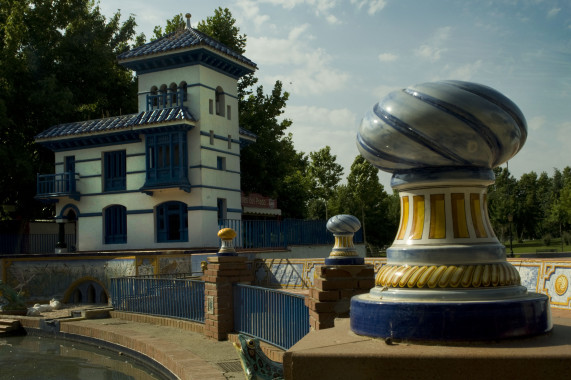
x=211, y=137
x=183, y=89
x=211, y=106
x=163, y=96
x=172, y=222
x=114, y=170
x=153, y=98
x=220, y=101
x=115, y=219
x=172, y=98
x=228, y=112
x=221, y=163
x=69, y=164
x=221, y=206
x=166, y=158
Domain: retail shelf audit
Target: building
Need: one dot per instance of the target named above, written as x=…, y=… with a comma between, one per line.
x=163, y=177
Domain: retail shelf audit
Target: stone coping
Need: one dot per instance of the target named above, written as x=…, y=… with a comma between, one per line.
x=338, y=353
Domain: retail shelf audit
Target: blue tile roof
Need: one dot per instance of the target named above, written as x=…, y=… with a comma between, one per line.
x=182, y=39
x=116, y=123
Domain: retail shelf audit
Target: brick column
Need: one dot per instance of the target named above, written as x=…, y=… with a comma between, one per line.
x=222, y=272
x=334, y=285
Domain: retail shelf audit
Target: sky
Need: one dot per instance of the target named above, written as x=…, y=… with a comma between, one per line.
x=338, y=58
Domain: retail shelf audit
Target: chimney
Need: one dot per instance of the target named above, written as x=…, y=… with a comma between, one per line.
x=188, y=21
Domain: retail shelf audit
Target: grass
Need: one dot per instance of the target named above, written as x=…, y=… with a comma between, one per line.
x=533, y=246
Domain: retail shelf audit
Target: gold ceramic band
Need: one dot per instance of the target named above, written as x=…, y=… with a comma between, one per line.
x=447, y=276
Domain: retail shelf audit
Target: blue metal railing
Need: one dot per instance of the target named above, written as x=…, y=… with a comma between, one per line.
x=166, y=99
x=166, y=296
x=274, y=316
x=56, y=184
x=280, y=233
x=33, y=243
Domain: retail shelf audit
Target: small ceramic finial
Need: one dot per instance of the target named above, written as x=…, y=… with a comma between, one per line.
x=188, y=15
x=343, y=228
x=227, y=249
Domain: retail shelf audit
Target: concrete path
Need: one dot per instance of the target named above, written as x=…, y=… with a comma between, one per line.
x=189, y=355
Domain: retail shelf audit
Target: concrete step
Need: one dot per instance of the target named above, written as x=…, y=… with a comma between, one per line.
x=9, y=325
x=14, y=323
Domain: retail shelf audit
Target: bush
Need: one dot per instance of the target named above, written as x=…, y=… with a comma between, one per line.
x=566, y=238
x=547, y=239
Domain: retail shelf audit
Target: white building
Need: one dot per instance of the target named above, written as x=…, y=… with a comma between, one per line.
x=160, y=178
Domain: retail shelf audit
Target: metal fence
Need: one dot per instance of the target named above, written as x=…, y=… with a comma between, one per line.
x=167, y=296
x=33, y=243
x=274, y=316
x=280, y=233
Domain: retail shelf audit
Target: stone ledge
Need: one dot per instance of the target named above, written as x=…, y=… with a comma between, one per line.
x=338, y=353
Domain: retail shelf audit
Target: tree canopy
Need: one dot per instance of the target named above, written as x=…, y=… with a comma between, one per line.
x=57, y=64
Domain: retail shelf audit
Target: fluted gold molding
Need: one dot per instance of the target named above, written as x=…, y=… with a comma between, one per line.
x=448, y=276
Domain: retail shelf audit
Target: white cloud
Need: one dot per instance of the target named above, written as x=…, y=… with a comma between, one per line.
x=465, y=72
x=322, y=8
x=553, y=12
x=536, y=123
x=250, y=11
x=435, y=46
x=316, y=127
x=308, y=69
x=373, y=6
x=387, y=57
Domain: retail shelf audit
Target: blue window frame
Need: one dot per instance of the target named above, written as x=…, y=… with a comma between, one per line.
x=172, y=222
x=221, y=208
x=166, y=159
x=114, y=170
x=220, y=163
x=115, y=220
x=69, y=166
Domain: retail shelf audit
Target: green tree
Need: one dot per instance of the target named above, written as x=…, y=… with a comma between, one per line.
x=325, y=174
x=364, y=197
x=222, y=27
x=501, y=202
x=57, y=64
x=174, y=24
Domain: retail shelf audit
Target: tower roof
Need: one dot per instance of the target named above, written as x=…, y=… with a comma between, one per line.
x=186, y=47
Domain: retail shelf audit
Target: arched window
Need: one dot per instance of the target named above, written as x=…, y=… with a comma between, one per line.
x=172, y=222
x=220, y=101
x=173, y=94
x=154, y=99
x=163, y=93
x=115, y=224
x=183, y=89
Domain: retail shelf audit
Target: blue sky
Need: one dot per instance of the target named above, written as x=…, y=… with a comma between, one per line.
x=337, y=58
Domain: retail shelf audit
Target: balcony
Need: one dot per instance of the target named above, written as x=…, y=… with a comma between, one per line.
x=166, y=99
x=53, y=186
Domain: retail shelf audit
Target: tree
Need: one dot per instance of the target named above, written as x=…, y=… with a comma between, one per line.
x=324, y=173
x=501, y=202
x=364, y=197
x=57, y=64
x=174, y=24
x=222, y=27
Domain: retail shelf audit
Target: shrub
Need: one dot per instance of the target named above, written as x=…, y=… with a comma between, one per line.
x=547, y=239
x=566, y=238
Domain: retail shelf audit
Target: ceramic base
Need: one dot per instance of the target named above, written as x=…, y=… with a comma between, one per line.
x=451, y=320
x=344, y=261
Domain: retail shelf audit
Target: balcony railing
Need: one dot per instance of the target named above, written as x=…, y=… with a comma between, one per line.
x=166, y=99
x=57, y=185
